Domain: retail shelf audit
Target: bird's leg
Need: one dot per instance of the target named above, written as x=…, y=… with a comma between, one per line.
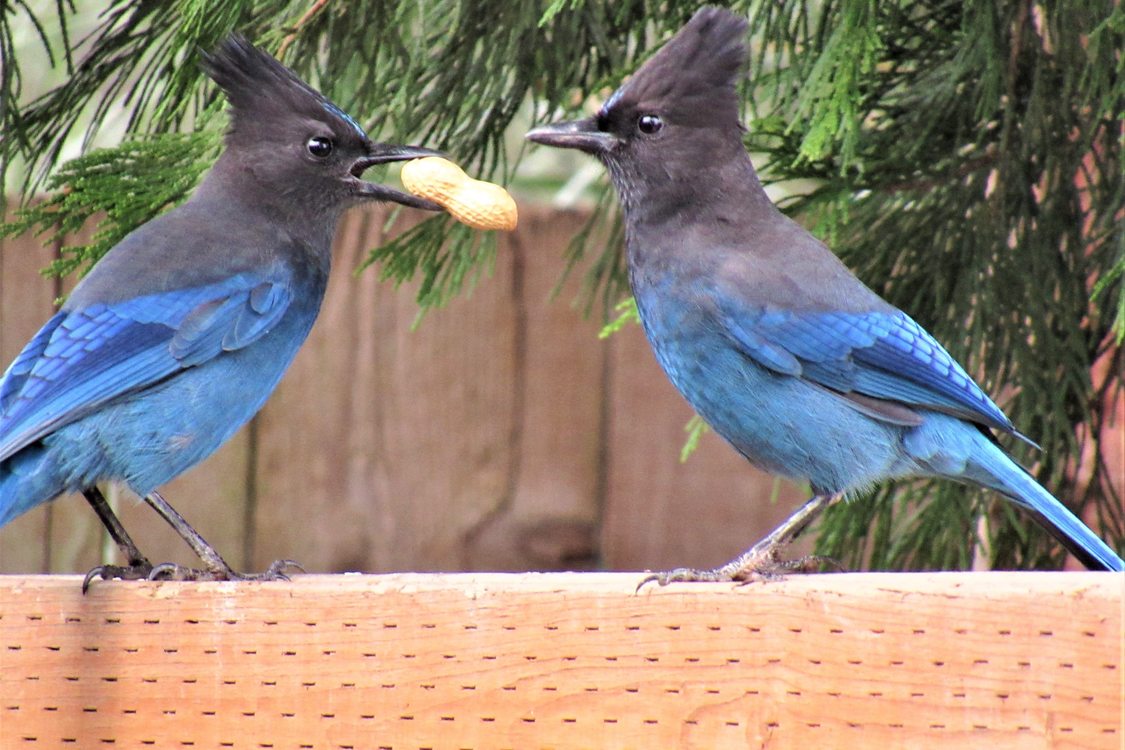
x=137, y=565
x=215, y=567
x=114, y=526
x=763, y=560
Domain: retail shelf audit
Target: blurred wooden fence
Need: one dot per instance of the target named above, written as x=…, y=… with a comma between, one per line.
x=501, y=434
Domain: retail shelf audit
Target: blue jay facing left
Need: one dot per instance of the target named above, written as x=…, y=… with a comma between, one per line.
x=792, y=359
x=180, y=333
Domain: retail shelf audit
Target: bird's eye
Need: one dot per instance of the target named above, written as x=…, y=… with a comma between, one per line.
x=319, y=146
x=649, y=124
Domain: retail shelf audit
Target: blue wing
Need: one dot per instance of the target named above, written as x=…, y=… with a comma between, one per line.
x=85, y=357
x=879, y=355
x=17, y=372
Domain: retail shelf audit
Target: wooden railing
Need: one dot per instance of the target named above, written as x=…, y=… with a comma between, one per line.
x=481, y=661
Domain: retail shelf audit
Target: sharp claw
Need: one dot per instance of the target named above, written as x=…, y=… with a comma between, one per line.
x=682, y=575
x=172, y=572
x=278, y=567
x=274, y=572
x=132, y=572
x=90, y=576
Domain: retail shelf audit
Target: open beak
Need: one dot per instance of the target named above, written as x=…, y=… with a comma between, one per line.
x=382, y=153
x=583, y=135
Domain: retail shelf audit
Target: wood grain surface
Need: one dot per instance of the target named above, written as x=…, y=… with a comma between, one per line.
x=1023, y=660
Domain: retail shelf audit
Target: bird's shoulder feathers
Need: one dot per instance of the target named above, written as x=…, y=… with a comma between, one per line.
x=197, y=245
x=89, y=355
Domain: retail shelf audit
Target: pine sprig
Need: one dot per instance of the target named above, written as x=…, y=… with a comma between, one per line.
x=128, y=185
x=627, y=314
x=829, y=103
x=604, y=280
x=447, y=257
x=695, y=428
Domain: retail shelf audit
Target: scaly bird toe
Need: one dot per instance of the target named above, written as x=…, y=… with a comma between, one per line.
x=759, y=563
x=277, y=571
x=174, y=572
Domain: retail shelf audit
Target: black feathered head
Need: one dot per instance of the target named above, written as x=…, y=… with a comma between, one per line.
x=692, y=79
x=294, y=140
x=665, y=130
x=689, y=83
x=261, y=90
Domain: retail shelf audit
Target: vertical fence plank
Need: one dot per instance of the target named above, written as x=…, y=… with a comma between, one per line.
x=306, y=503
x=549, y=517
x=26, y=301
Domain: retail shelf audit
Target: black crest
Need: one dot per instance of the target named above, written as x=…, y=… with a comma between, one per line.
x=695, y=73
x=261, y=89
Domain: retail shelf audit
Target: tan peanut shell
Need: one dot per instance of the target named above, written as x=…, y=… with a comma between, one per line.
x=479, y=204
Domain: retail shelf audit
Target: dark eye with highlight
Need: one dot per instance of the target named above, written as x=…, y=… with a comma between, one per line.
x=649, y=124
x=319, y=146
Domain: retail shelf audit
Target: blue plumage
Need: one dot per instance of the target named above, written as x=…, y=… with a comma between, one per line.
x=102, y=352
x=878, y=354
x=774, y=342
x=179, y=335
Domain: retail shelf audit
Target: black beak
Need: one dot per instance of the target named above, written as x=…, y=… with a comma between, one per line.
x=583, y=135
x=383, y=153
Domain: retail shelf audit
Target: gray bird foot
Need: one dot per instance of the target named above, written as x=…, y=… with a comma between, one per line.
x=277, y=571
x=752, y=566
x=136, y=571
x=145, y=571
x=762, y=562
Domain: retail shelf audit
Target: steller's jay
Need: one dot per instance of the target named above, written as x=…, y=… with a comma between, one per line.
x=774, y=342
x=178, y=336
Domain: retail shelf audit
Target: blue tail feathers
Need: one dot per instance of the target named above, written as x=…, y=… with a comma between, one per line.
x=1013, y=481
